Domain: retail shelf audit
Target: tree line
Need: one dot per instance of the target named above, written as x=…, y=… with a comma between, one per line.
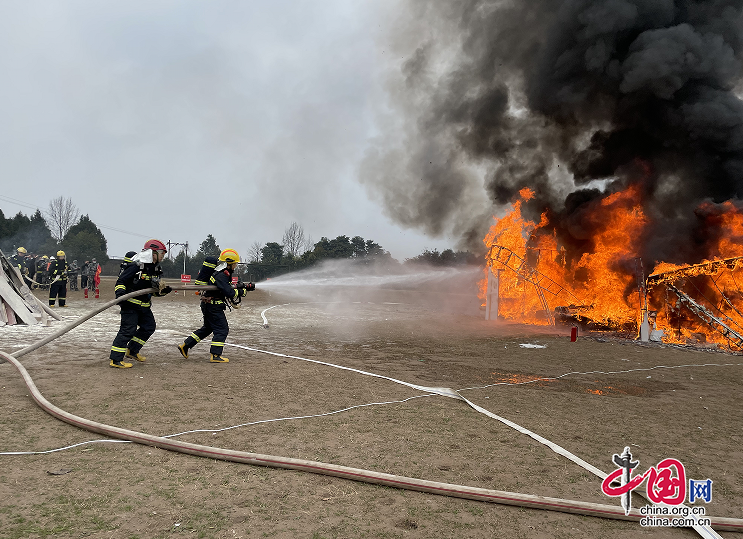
x=297, y=252
x=60, y=227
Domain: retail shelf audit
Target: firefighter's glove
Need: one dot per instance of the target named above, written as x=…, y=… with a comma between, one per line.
x=250, y=286
x=161, y=287
x=242, y=288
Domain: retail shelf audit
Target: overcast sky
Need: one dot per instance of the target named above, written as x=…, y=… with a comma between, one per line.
x=177, y=119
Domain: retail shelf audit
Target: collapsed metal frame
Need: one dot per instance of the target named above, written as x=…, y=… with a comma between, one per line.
x=722, y=323
x=511, y=261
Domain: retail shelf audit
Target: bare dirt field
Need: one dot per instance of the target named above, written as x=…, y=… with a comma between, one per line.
x=124, y=490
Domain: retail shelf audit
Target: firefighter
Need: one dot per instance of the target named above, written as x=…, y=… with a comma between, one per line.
x=137, y=321
x=30, y=270
x=127, y=261
x=58, y=277
x=213, y=305
x=18, y=260
x=42, y=274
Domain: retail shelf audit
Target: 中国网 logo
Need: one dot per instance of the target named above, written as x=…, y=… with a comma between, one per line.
x=666, y=488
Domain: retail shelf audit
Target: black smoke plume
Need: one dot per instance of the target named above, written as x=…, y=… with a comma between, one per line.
x=553, y=95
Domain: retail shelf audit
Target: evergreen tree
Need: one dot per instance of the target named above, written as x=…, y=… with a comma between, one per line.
x=208, y=247
x=272, y=253
x=30, y=233
x=85, y=241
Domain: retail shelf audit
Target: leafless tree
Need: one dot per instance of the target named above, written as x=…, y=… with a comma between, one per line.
x=294, y=239
x=308, y=245
x=61, y=216
x=254, y=254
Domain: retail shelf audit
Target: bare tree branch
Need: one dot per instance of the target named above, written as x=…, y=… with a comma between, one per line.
x=61, y=216
x=254, y=254
x=308, y=245
x=293, y=239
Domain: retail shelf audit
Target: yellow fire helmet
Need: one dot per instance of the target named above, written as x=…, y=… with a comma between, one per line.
x=60, y=254
x=22, y=250
x=44, y=256
x=230, y=256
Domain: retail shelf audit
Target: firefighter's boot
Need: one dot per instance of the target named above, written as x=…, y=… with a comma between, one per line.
x=216, y=358
x=119, y=364
x=183, y=349
x=135, y=355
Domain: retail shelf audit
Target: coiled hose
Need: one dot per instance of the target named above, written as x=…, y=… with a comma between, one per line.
x=355, y=474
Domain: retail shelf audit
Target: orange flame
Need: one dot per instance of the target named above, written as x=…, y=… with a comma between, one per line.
x=596, y=280
x=534, y=276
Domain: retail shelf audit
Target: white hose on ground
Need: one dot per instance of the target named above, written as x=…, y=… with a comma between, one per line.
x=356, y=474
x=367, y=476
x=703, y=530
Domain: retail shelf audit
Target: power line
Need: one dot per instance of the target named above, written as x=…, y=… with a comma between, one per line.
x=27, y=205
x=123, y=231
x=18, y=202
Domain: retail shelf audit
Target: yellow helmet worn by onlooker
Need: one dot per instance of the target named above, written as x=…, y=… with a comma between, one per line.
x=21, y=250
x=60, y=254
x=230, y=256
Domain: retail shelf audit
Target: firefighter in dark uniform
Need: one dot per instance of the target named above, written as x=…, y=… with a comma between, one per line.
x=213, y=305
x=30, y=270
x=42, y=274
x=137, y=320
x=58, y=280
x=127, y=261
x=18, y=260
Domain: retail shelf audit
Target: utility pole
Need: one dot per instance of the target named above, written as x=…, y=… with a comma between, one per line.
x=185, y=252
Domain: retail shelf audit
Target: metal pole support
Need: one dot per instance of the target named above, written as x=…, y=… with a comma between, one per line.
x=492, y=294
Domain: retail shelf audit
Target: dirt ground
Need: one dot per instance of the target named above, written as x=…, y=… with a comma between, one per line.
x=127, y=491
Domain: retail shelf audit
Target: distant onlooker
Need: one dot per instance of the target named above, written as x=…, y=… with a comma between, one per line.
x=94, y=275
x=72, y=274
x=84, y=274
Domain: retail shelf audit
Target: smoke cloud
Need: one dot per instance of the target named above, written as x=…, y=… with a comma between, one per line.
x=554, y=95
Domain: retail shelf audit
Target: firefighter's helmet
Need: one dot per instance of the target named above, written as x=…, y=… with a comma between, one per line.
x=155, y=245
x=60, y=254
x=22, y=250
x=230, y=256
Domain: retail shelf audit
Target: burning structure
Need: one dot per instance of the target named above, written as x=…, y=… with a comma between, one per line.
x=605, y=288
x=606, y=135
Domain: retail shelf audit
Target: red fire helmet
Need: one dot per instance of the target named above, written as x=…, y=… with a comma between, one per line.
x=155, y=245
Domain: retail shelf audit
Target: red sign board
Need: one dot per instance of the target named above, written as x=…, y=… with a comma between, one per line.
x=185, y=278
x=234, y=280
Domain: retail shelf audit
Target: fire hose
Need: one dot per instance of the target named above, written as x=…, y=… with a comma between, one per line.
x=356, y=474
